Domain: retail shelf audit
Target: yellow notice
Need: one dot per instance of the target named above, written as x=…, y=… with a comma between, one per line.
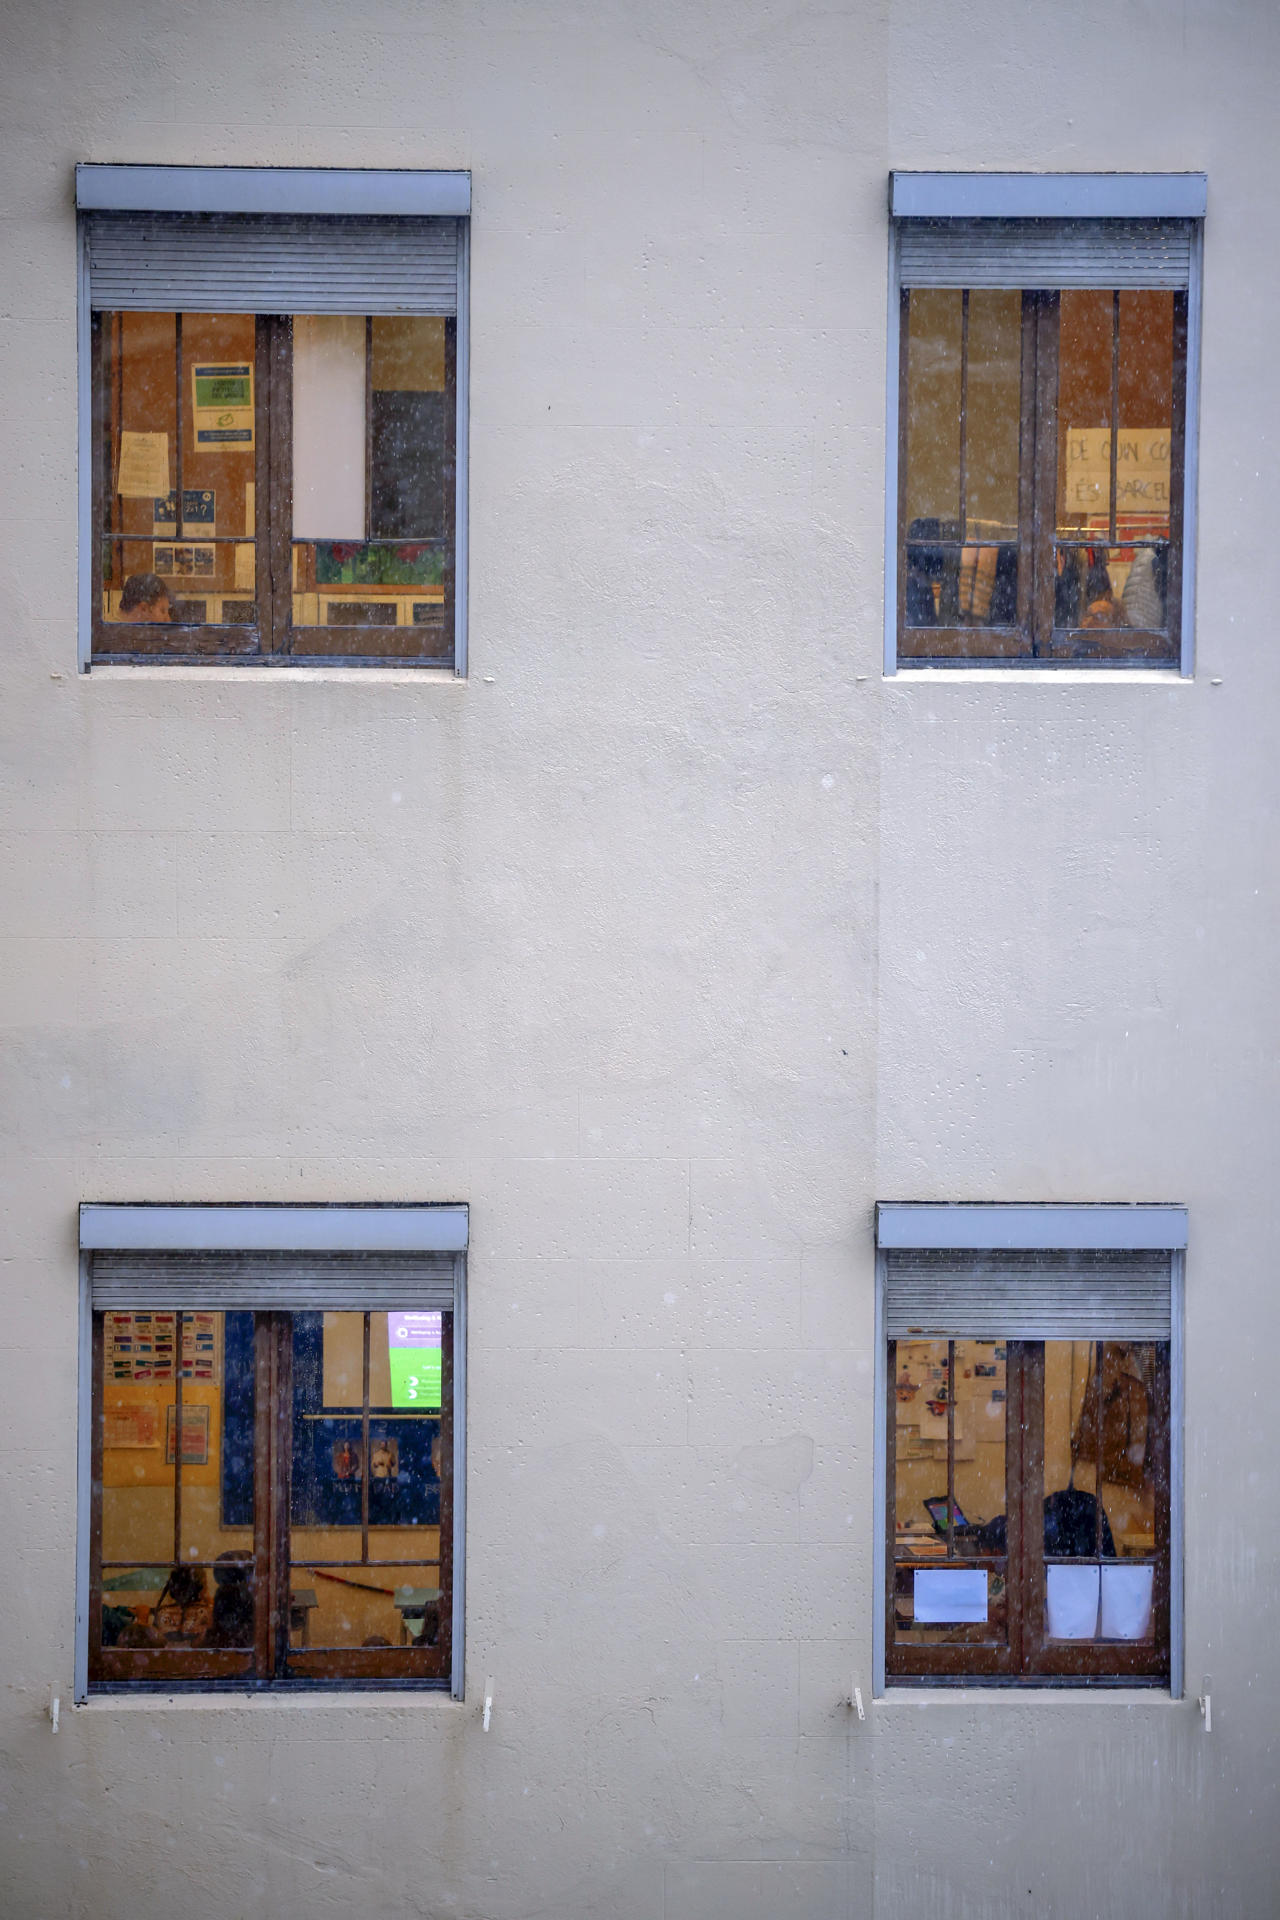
x=245, y=576
x=1142, y=470
x=143, y=473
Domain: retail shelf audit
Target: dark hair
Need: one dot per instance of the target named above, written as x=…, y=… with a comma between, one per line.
x=140, y=590
x=232, y=1568
x=184, y=1587
x=1097, y=584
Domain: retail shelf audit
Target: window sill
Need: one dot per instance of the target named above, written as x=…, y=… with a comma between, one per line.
x=348, y=1700
x=1156, y=1698
x=1008, y=676
x=265, y=675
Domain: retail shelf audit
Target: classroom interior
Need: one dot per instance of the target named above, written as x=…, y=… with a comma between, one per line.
x=178, y=1431
x=365, y=460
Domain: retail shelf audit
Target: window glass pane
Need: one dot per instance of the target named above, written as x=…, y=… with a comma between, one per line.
x=372, y=470
x=368, y=1463
x=963, y=429
x=1105, y=1476
x=178, y=402
x=1114, y=490
x=992, y=410
x=177, y=1483
x=949, y=1458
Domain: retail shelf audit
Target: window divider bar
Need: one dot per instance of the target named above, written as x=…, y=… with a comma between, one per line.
x=365, y=1465
x=951, y=1449
x=281, y=1466
x=368, y=428
x=262, y=559
x=1045, y=513
x=180, y=1334
x=1027, y=438
x=1115, y=416
x=178, y=523
x=264, y=1610
x=964, y=419
x=280, y=482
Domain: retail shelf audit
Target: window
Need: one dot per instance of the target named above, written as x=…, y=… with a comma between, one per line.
x=1043, y=449
x=1030, y=1445
x=274, y=434
x=272, y=1495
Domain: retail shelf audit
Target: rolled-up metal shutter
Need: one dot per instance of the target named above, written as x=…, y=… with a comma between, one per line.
x=1045, y=253
x=1028, y=1296
x=271, y=263
x=284, y=1282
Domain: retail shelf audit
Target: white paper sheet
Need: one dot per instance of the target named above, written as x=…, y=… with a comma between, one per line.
x=1071, y=1602
x=328, y=427
x=143, y=472
x=950, y=1596
x=1126, y=1602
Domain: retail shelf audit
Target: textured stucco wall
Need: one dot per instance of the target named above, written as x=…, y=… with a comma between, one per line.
x=670, y=941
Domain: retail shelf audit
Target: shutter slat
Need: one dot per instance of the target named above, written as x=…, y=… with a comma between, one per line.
x=1028, y=1296
x=285, y=1282
x=1044, y=253
x=202, y=263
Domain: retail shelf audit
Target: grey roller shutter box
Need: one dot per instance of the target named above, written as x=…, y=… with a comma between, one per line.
x=271, y=263
x=1028, y=1296
x=1045, y=253
x=285, y=1282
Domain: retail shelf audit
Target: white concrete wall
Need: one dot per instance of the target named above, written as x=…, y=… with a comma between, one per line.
x=670, y=941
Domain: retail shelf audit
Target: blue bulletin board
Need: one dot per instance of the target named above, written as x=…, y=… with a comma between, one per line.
x=328, y=1467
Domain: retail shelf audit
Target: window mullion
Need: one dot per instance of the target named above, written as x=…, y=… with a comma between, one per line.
x=273, y=1408
x=951, y=1449
x=262, y=482
x=1115, y=417
x=281, y=1485
x=279, y=529
x=181, y=1319
x=1030, y=1573
x=264, y=1610
x=1045, y=308
x=364, y=1450
x=963, y=527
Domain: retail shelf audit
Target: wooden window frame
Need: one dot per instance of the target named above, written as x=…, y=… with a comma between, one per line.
x=273, y=640
x=1034, y=640
x=1027, y=1658
x=272, y=1664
